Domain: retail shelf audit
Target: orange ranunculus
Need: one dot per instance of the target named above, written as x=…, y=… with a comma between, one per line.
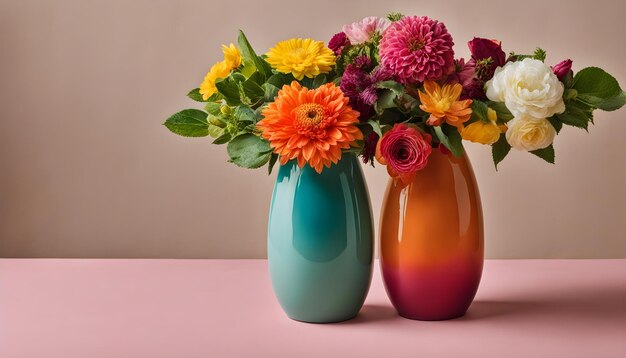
x=310, y=125
x=443, y=104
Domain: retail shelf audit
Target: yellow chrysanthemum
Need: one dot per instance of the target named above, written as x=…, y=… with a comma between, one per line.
x=301, y=57
x=218, y=70
x=483, y=132
x=232, y=56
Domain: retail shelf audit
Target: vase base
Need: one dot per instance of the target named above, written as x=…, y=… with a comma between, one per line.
x=432, y=318
x=324, y=321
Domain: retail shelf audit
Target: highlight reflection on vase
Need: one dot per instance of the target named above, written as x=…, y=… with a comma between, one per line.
x=432, y=240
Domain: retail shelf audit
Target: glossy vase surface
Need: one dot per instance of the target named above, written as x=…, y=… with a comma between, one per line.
x=432, y=240
x=320, y=241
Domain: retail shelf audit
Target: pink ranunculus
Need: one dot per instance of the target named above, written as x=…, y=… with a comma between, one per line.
x=416, y=49
x=338, y=42
x=404, y=150
x=362, y=31
x=562, y=68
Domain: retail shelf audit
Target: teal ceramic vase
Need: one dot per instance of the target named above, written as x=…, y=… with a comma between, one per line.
x=320, y=241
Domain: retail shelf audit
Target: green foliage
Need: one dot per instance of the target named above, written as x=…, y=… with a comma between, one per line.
x=250, y=57
x=394, y=86
x=189, y=123
x=539, y=54
x=450, y=137
x=503, y=113
x=577, y=114
x=318, y=81
x=375, y=127
x=499, y=150
x=249, y=151
x=272, y=162
x=395, y=16
x=386, y=99
x=591, y=88
x=546, y=153
x=195, y=95
x=479, y=112
x=213, y=108
x=556, y=123
x=223, y=139
x=229, y=88
x=598, y=89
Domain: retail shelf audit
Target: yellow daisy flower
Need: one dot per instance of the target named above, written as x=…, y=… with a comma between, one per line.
x=218, y=70
x=232, y=56
x=301, y=57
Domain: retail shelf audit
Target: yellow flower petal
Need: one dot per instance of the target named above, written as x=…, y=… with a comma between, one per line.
x=301, y=57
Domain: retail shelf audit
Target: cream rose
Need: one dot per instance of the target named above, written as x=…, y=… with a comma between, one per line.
x=527, y=88
x=527, y=133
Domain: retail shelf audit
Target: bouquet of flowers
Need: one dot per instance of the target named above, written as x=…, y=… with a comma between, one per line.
x=389, y=89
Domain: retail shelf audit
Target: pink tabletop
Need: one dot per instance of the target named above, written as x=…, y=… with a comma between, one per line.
x=225, y=308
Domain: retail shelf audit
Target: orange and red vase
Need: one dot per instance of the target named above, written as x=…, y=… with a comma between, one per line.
x=432, y=240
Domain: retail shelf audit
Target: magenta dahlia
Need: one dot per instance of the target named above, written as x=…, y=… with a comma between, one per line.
x=417, y=48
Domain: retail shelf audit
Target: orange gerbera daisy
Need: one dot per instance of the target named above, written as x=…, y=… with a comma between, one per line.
x=443, y=104
x=310, y=125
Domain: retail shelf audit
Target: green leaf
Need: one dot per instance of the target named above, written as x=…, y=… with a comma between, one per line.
x=396, y=87
x=386, y=99
x=223, y=139
x=215, y=131
x=195, y=95
x=272, y=162
x=229, y=88
x=253, y=90
x=577, y=114
x=248, y=68
x=546, y=153
x=610, y=104
x=598, y=89
x=245, y=114
x=450, y=137
x=375, y=127
x=189, y=123
x=213, y=108
x=499, y=150
x=249, y=151
x=318, y=81
x=556, y=123
x=479, y=111
x=280, y=79
x=249, y=55
x=271, y=92
x=540, y=54
x=503, y=113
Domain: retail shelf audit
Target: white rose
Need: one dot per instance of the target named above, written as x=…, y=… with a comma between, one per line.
x=527, y=133
x=527, y=87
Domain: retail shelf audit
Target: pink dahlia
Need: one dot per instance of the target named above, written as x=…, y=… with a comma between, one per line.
x=416, y=49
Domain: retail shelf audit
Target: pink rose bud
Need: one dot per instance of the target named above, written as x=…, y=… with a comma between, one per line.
x=562, y=68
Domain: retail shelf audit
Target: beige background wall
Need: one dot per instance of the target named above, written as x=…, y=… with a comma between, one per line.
x=87, y=170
